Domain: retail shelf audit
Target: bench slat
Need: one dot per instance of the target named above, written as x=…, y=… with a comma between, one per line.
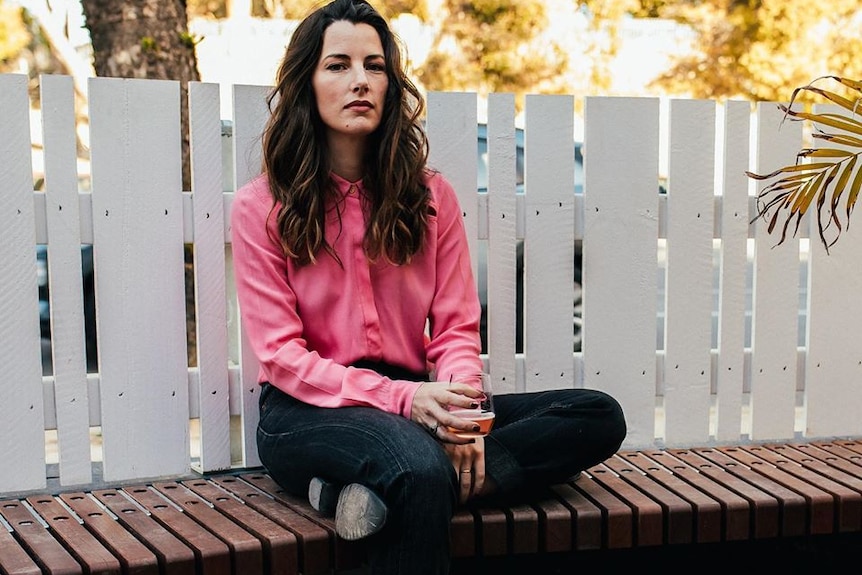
x=678, y=514
x=462, y=536
x=13, y=559
x=793, y=514
x=761, y=508
x=174, y=557
x=313, y=541
x=212, y=555
x=834, y=455
x=346, y=554
x=576, y=519
x=246, y=550
x=844, y=487
x=34, y=536
x=279, y=544
x=132, y=554
x=820, y=501
x=618, y=517
x=491, y=531
x=707, y=511
x=648, y=520
x=86, y=549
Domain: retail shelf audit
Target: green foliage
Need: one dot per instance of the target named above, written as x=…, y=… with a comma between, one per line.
x=298, y=9
x=827, y=171
x=190, y=40
x=149, y=44
x=493, y=46
x=206, y=8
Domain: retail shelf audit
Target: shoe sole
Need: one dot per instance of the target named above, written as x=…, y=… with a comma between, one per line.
x=359, y=513
x=323, y=496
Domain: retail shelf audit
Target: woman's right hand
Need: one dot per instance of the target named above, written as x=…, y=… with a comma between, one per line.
x=430, y=409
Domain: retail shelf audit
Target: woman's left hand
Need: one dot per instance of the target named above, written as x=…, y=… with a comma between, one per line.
x=469, y=463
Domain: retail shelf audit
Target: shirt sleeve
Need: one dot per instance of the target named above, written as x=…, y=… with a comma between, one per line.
x=274, y=328
x=454, y=342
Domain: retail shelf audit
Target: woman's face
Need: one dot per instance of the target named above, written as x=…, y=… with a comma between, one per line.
x=350, y=80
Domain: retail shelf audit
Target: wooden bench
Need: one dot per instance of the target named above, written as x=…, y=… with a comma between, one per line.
x=743, y=426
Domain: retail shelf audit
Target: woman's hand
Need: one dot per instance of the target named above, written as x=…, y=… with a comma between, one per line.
x=469, y=463
x=430, y=409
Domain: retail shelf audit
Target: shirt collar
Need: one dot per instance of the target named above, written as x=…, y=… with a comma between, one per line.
x=345, y=187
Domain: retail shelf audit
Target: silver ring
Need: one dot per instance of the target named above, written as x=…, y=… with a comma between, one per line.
x=465, y=471
x=433, y=430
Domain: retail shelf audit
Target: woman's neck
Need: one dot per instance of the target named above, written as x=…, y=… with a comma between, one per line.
x=347, y=158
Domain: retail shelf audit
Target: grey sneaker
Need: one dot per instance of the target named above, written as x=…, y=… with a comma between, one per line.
x=358, y=511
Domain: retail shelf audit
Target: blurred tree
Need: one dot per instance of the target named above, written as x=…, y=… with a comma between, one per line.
x=605, y=17
x=298, y=9
x=145, y=39
x=14, y=36
x=494, y=46
x=755, y=49
x=295, y=9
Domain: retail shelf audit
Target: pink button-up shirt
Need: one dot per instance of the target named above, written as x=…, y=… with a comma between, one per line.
x=307, y=324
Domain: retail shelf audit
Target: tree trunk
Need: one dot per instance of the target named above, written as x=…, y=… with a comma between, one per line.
x=145, y=39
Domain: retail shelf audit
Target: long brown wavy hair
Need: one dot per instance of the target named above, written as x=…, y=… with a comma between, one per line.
x=296, y=156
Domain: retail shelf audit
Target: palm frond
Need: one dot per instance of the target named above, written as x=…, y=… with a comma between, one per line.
x=821, y=173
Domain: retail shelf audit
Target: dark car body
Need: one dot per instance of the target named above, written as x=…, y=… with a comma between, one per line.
x=88, y=285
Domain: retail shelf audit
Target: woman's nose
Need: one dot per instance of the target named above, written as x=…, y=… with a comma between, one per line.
x=360, y=80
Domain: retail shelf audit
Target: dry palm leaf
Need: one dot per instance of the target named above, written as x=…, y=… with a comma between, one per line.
x=833, y=167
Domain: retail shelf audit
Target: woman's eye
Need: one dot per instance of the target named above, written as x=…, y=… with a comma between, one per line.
x=336, y=66
x=376, y=67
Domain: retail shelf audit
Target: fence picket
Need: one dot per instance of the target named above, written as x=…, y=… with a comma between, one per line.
x=688, y=294
x=250, y=114
x=138, y=238
x=549, y=182
x=833, y=366
x=621, y=159
x=733, y=266
x=64, y=269
x=775, y=297
x=502, y=244
x=21, y=411
x=209, y=276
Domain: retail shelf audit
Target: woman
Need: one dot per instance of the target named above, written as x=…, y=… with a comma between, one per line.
x=345, y=249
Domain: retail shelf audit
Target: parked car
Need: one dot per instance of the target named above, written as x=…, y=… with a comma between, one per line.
x=88, y=285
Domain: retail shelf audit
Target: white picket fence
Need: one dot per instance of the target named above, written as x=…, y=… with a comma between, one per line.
x=147, y=414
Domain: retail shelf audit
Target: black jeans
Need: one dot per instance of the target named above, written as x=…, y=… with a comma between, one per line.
x=538, y=439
